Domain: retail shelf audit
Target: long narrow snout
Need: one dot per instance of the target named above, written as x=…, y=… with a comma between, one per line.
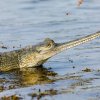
x=67, y=45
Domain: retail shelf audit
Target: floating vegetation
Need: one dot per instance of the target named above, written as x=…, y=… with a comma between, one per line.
x=26, y=77
x=3, y=47
x=13, y=97
x=44, y=93
x=1, y=88
x=11, y=87
x=86, y=70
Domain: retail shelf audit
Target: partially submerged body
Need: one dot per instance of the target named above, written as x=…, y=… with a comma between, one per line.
x=37, y=55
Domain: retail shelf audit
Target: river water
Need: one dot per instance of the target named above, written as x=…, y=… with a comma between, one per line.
x=72, y=74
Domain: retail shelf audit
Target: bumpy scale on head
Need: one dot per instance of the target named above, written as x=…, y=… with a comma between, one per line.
x=47, y=45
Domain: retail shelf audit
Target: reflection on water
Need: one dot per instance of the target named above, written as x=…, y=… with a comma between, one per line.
x=25, y=77
x=39, y=75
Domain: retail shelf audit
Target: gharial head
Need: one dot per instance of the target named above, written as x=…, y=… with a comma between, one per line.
x=46, y=45
x=46, y=50
x=38, y=54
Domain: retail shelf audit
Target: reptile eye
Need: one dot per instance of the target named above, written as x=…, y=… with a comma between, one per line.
x=49, y=45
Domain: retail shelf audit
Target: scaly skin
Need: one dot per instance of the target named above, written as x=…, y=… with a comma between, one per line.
x=32, y=56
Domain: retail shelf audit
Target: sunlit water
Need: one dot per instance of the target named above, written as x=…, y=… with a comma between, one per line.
x=26, y=22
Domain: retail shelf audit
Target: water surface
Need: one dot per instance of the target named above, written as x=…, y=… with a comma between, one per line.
x=26, y=22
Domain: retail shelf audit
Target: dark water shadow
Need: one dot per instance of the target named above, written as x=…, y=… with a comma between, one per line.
x=25, y=77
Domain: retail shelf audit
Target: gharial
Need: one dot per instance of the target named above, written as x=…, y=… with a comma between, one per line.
x=32, y=56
